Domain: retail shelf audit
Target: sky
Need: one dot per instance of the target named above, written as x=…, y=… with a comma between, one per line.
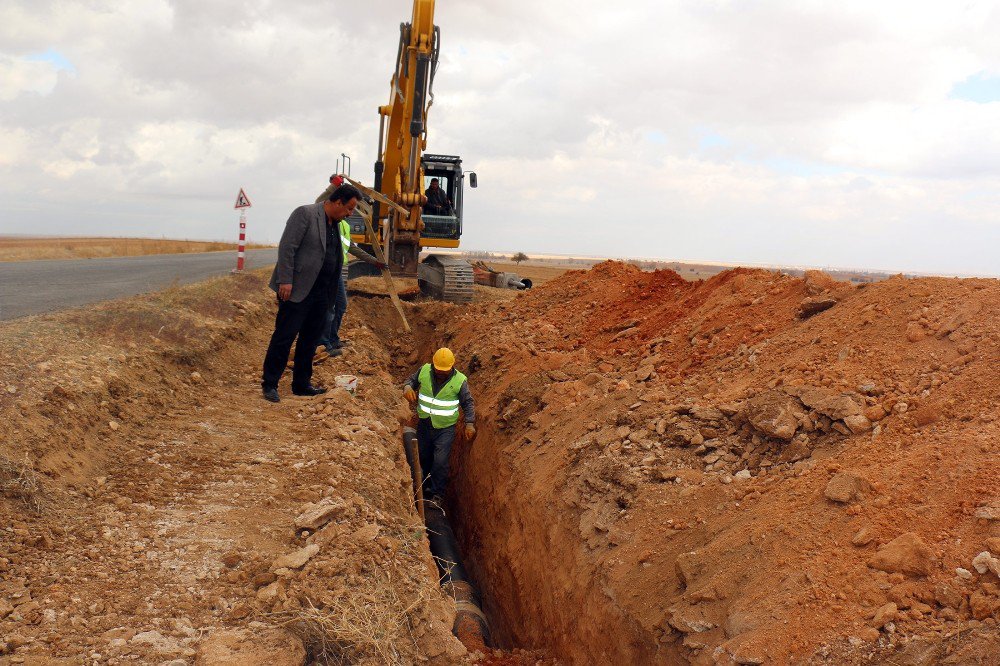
x=853, y=134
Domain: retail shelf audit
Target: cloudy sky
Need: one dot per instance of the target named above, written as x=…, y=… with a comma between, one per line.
x=849, y=133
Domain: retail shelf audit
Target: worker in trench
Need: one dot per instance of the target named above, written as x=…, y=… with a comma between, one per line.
x=438, y=390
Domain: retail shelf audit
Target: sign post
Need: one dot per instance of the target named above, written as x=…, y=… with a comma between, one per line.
x=242, y=203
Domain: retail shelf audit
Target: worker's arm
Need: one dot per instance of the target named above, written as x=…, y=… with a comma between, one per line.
x=291, y=238
x=467, y=403
x=364, y=256
x=414, y=381
x=326, y=193
x=410, y=388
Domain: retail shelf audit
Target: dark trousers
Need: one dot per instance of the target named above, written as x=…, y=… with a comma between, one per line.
x=335, y=316
x=435, y=449
x=304, y=320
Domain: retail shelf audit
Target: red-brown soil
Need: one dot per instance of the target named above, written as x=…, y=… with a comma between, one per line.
x=666, y=472
x=162, y=492
x=603, y=504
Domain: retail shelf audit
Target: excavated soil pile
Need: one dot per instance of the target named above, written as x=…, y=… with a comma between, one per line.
x=751, y=469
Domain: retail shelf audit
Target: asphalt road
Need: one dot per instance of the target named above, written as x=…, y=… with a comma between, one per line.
x=36, y=287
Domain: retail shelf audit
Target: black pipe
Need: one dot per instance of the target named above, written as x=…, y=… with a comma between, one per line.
x=470, y=621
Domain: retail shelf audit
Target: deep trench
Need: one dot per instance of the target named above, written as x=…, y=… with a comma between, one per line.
x=536, y=585
x=428, y=334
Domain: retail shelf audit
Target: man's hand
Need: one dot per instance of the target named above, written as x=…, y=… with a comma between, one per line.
x=470, y=432
x=284, y=292
x=410, y=394
x=381, y=265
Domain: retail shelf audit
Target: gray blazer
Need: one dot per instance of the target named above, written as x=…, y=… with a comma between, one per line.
x=301, y=251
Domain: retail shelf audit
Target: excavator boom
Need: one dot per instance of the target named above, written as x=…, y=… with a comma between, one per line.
x=398, y=218
x=403, y=136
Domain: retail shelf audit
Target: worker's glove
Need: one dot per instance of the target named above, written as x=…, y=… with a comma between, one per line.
x=410, y=394
x=470, y=432
x=381, y=265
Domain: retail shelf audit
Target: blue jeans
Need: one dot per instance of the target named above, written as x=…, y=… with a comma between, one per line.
x=335, y=315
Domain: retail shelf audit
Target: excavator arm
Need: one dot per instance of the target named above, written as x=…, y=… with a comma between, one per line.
x=403, y=138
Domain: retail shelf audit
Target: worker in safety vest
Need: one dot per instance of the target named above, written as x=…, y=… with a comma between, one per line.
x=330, y=338
x=438, y=390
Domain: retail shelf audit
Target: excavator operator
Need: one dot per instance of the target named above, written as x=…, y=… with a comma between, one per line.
x=438, y=202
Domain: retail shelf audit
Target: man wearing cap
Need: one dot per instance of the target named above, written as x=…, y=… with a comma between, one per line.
x=438, y=390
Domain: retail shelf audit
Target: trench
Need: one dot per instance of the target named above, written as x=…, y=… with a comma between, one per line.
x=523, y=561
x=478, y=611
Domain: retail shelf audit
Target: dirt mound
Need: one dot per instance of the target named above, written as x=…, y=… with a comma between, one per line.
x=754, y=468
x=156, y=510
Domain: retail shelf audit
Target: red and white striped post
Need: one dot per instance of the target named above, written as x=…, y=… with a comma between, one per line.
x=242, y=249
x=242, y=203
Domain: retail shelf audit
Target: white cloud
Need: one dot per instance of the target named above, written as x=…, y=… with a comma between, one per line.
x=805, y=132
x=20, y=76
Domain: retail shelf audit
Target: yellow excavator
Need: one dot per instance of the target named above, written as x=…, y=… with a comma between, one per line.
x=403, y=172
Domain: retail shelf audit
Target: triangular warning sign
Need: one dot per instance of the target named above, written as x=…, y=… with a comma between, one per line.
x=242, y=201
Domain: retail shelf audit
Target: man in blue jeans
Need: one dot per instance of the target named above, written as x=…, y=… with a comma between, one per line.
x=330, y=338
x=334, y=317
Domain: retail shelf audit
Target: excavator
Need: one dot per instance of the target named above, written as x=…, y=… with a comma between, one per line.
x=403, y=170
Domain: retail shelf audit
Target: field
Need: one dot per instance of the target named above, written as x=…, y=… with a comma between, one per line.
x=756, y=468
x=28, y=249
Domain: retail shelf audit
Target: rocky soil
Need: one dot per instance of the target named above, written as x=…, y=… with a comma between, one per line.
x=751, y=469
x=157, y=510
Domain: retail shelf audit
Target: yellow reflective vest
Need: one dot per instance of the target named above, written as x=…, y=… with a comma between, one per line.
x=441, y=409
x=345, y=237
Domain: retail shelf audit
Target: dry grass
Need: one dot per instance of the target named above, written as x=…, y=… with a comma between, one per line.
x=28, y=249
x=19, y=482
x=182, y=317
x=365, y=628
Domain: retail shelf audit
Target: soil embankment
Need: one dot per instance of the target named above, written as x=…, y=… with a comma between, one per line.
x=709, y=472
x=750, y=469
x=158, y=510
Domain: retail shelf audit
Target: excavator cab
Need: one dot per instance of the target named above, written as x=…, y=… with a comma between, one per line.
x=445, y=277
x=442, y=276
x=443, y=224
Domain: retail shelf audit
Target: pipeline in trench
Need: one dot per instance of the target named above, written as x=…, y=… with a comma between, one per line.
x=471, y=625
x=466, y=571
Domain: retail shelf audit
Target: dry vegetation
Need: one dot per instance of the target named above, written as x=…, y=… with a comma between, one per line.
x=355, y=628
x=28, y=249
x=18, y=481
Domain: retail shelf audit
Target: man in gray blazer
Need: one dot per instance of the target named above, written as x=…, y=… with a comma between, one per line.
x=310, y=256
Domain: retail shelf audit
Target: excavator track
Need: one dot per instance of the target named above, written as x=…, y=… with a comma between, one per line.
x=446, y=278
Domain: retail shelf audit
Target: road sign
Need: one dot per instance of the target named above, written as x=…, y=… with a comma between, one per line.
x=242, y=201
